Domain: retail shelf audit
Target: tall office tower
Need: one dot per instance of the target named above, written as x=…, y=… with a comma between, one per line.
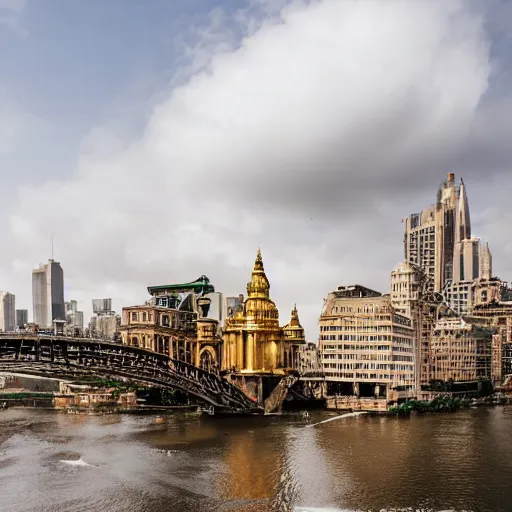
x=439, y=240
x=485, y=262
x=21, y=318
x=217, y=307
x=48, y=294
x=74, y=317
x=102, y=306
x=233, y=304
x=430, y=234
x=7, y=312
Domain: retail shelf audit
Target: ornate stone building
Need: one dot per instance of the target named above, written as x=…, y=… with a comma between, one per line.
x=175, y=322
x=253, y=340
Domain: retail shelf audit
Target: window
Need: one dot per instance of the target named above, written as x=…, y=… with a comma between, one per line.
x=144, y=317
x=135, y=317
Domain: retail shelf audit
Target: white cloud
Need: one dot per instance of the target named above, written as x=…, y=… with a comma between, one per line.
x=301, y=139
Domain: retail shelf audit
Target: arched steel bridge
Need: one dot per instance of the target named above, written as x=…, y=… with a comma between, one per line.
x=75, y=358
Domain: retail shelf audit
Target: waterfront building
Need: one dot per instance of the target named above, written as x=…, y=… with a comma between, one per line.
x=460, y=350
x=174, y=321
x=367, y=348
x=307, y=359
x=21, y=318
x=48, y=294
x=493, y=308
x=7, y=312
x=253, y=340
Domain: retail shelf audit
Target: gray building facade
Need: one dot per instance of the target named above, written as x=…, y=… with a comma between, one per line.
x=48, y=294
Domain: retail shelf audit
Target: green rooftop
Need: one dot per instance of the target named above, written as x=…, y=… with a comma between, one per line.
x=201, y=285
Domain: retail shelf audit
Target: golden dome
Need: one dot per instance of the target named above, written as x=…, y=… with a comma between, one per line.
x=259, y=308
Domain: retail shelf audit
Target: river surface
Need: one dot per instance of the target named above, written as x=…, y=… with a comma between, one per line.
x=460, y=461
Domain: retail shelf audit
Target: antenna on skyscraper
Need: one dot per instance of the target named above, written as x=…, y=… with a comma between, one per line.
x=52, y=246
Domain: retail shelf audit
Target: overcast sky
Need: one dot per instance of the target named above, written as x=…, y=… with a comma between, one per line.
x=162, y=140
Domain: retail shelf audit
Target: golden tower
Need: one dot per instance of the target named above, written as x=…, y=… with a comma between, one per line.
x=253, y=340
x=293, y=337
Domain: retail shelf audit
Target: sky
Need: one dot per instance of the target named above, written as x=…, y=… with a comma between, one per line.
x=157, y=141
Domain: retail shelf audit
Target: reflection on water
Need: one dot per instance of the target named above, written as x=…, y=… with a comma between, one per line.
x=185, y=462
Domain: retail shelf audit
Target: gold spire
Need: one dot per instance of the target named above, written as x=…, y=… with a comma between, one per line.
x=295, y=322
x=259, y=285
x=258, y=264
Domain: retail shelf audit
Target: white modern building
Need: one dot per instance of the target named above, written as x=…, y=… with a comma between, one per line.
x=7, y=312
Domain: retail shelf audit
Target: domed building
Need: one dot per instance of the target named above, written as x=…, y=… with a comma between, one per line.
x=253, y=341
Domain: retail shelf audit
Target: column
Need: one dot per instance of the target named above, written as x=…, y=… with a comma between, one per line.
x=256, y=362
x=240, y=349
x=171, y=347
x=197, y=353
x=232, y=350
x=223, y=353
x=249, y=351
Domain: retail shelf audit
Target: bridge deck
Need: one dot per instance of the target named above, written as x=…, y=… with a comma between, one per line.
x=73, y=358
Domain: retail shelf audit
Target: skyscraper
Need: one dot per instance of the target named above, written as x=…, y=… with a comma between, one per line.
x=74, y=317
x=21, y=318
x=439, y=241
x=48, y=294
x=7, y=312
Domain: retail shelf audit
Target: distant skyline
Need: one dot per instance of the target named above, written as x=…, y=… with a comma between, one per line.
x=159, y=141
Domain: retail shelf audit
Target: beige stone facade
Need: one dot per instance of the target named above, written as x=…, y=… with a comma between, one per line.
x=367, y=343
x=174, y=326
x=460, y=351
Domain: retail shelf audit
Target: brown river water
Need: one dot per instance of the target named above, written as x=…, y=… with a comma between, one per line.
x=460, y=461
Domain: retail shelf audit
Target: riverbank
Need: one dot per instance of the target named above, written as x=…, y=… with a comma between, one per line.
x=447, y=404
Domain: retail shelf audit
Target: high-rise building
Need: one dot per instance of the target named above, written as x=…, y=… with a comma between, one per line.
x=48, y=294
x=74, y=317
x=217, y=307
x=105, y=323
x=233, y=304
x=101, y=306
x=21, y=318
x=439, y=241
x=7, y=312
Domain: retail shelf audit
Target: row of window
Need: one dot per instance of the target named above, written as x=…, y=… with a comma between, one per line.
x=144, y=316
x=361, y=357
